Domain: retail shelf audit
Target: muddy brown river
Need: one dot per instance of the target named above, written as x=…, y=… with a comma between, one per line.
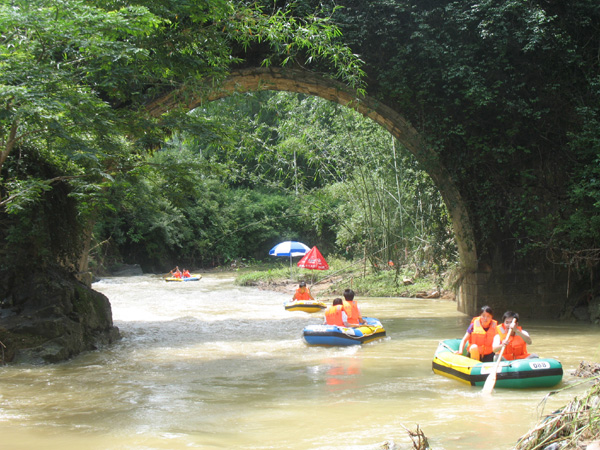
x=211, y=365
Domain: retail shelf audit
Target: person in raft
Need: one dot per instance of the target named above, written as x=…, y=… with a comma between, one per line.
x=335, y=314
x=516, y=344
x=302, y=293
x=351, y=309
x=186, y=273
x=175, y=273
x=480, y=335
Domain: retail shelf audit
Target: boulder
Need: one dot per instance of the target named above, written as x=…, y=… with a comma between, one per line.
x=49, y=316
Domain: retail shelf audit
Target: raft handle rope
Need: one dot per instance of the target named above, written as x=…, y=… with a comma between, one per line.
x=442, y=343
x=449, y=362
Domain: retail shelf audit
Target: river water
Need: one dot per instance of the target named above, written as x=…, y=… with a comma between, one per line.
x=211, y=365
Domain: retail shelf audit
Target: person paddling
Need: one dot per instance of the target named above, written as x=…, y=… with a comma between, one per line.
x=480, y=335
x=352, y=310
x=516, y=344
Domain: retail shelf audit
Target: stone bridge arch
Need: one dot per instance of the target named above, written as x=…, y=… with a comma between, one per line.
x=310, y=83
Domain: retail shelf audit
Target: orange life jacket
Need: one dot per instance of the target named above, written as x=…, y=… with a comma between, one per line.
x=483, y=339
x=333, y=315
x=186, y=274
x=351, y=310
x=177, y=274
x=302, y=295
x=516, y=348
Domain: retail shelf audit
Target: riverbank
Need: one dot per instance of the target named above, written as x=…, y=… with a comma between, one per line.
x=575, y=426
x=336, y=288
x=366, y=282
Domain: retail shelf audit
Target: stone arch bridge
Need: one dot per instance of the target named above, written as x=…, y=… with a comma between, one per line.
x=476, y=287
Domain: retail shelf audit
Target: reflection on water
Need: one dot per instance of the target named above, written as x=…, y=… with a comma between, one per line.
x=210, y=365
x=342, y=373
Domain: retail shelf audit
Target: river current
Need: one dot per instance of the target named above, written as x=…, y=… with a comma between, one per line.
x=211, y=365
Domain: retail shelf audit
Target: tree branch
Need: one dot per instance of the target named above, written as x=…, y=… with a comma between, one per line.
x=48, y=182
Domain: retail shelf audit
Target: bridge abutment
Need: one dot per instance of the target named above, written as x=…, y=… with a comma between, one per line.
x=531, y=293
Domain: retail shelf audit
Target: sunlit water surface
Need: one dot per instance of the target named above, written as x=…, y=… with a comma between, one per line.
x=210, y=365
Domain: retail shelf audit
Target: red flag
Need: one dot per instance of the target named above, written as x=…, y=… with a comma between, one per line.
x=313, y=260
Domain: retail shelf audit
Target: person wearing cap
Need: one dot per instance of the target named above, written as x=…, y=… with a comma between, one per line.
x=302, y=293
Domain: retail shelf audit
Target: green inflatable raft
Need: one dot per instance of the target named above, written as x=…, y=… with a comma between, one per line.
x=517, y=374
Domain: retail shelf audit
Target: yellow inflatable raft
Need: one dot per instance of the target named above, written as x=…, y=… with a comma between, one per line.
x=309, y=306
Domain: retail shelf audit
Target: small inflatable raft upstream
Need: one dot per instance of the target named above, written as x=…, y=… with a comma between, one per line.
x=192, y=278
x=309, y=306
x=520, y=373
x=333, y=335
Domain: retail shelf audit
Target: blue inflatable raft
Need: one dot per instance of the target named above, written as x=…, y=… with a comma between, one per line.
x=332, y=335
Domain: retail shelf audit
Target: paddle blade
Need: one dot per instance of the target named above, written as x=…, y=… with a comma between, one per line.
x=488, y=387
x=490, y=382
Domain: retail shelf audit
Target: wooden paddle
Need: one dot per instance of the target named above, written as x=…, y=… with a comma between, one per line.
x=490, y=382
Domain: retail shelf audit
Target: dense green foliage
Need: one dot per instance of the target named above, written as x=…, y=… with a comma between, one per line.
x=74, y=79
x=160, y=217
x=280, y=167
x=507, y=93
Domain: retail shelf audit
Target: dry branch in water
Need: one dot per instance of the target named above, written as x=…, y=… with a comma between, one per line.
x=419, y=441
x=567, y=427
x=418, y=438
